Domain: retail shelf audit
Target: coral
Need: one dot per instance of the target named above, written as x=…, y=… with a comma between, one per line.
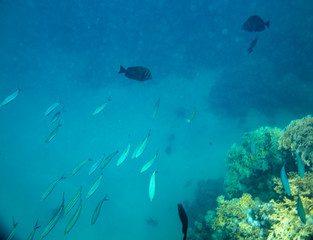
x=237, y=218
x=248, y=172
x=298, y=137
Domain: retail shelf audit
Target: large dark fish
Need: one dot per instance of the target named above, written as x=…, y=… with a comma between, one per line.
x=136, y=73
x=183, y=219
x=300, y=210
x=252, y=45
x=255, y=24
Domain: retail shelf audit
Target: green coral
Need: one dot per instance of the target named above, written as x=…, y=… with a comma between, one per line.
x=298, y=137
x=249, y=173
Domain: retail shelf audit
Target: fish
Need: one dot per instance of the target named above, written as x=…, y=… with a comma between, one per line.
x=141, y=147
x=148, y=164
x=12, y=230
x=54, y=220
x=101, y=107
x=284, y=180
x=152, y=186
x=56, y=117
x=252, y=148
x=183, y=218
x=53, y=133
x=151, y=221
x=95, y=165
x=32, y=234
x=192, y=115
x=300, y=163
x=255, y=24
x=94, y=187
x=73, y=201
x=252, y=45
x=106, y=161
x=96, y=212
x=136, y=73
x=156, y=108
x=80, y=165
x=74, y=218
x=10, y=98
x=51, y=187
x=123, y=156
x=51, y=108
x=300, y=210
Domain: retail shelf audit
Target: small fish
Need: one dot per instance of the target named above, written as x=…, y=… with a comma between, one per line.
x=74, y=218
x=54, y=220
x=192, y=115
x=252, y=45
x=152, y=186
x=300, y=210
x=148, y=164
x=96, y=213
x=255, y=24
x=108, y=159
x=80, y=165
x=51, y=187
x=123, y=156
x=94, y=187
x=53, y=133
x=284, y=180
x=152, y=222
x=156, y=108
x=73, y=201
x=12, y=230
x=252, y=148
x=10, y=98
x=32, y=234
x=141, y=146
x=136, y=73
x=51, y=108
x=300, y=163
x=183, y=218
x=95, y=165
x=101, y=107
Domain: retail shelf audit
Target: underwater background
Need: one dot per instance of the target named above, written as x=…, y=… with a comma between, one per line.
x=71, y=51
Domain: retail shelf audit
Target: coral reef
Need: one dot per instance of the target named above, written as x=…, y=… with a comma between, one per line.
x=252, y=172
x=298, y=137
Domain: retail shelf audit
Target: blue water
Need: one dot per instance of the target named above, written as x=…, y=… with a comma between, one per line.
x=70, y=51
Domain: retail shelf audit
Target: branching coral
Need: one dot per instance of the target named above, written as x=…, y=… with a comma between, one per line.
x=298, y=137
x=251, y=172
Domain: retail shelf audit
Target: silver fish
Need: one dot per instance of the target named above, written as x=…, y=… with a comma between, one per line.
x=141, y=147
x=12, y=230
x=32, y=234
x=101, y=107
x=94, y=187
x=53, y=133
x=96, y=213
x=74, y=218
x=50, y=188
x=96, y=165
x=51, y=108
x=192, y=115
x=10, y=98
x=73, y=201
x=148, y=164
x=54, y=220
x=123, y=156
x=80, y=165
x=152, y=186
x=108, y=159
x=156, y=108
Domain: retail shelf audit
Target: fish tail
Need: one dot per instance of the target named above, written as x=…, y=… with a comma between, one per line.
x=36, y=225
x=267, y=24
x=122, y=69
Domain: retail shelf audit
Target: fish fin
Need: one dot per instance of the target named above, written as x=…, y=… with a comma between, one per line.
x=267, y=24
x=122, y=69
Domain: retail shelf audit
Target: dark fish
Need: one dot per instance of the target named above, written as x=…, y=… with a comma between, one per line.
x=252, y=45
x=300, y=209
x=151, y=221
x=183, y=219
x=284, y=180
x=255, y=24
x=136, y=73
